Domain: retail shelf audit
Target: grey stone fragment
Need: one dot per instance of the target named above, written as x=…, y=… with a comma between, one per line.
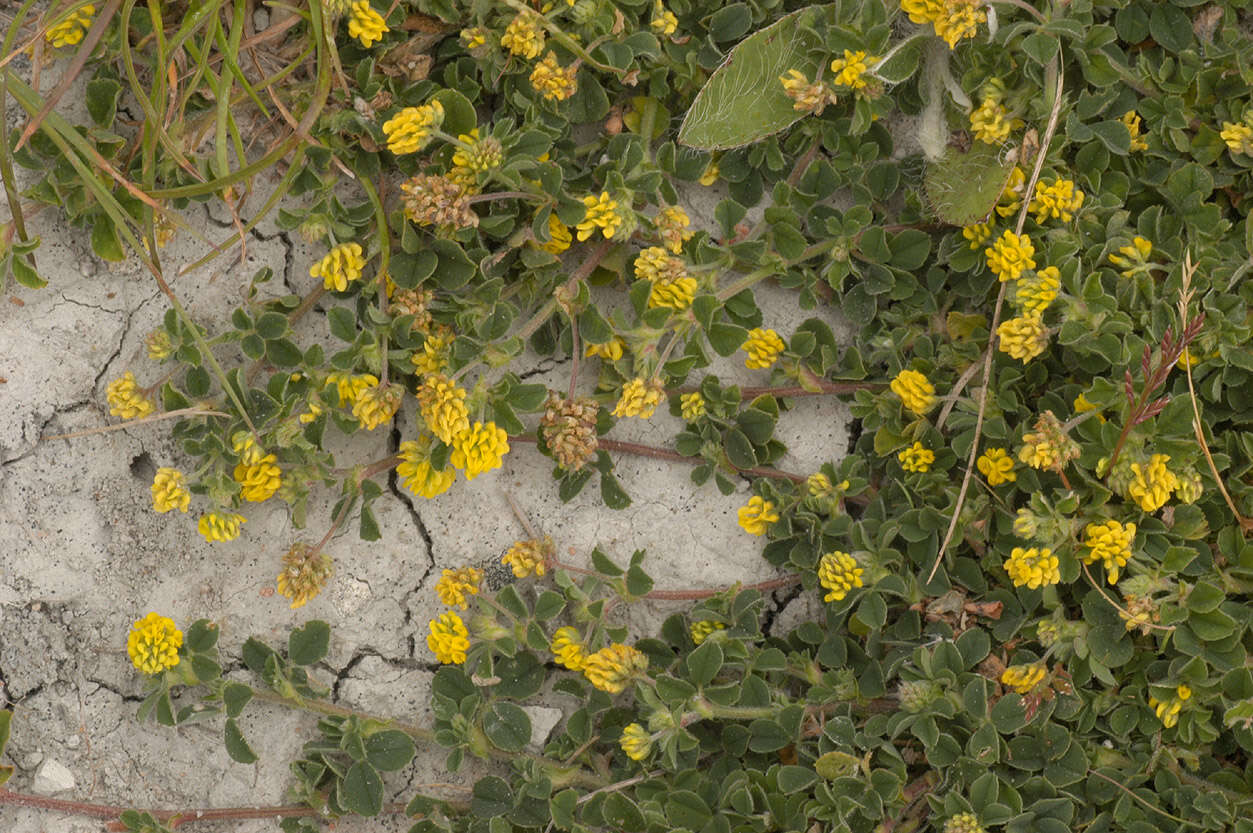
x=51, y=778
x=543, y=721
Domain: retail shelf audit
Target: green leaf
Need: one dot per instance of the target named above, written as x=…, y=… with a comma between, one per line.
x=25, y=274
x=272, y=325
x=201, y=636
x=459, y=114
x=612, y=493
x=101, y=99
x=491, y=797
x=796, y=778
x=1009, y=714
x=1204, y=597
x=389, y=750
x=309, y=644
x=743, y=100
x=455, y=267
x=6, y=718
x=1170, y=26
x=105, y=241
x=507, y=726
x=236, y=746
x=622, y=813
x=704, y=663
x=361, y=791
x=235, y=696
x=963, y=187
x=767, y=736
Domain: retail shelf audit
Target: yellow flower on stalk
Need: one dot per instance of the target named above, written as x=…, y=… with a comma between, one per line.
x=1152, y=483
x=990, y=122
x=764, y=346
x=1168, y=711
x=710, y=174
x=819, y=485
x=691, y=406
x=674, y=294
x=553, y=81
x=1239, y=137
x=838, y=572
x=977, y=234
x=757, y=516
x=433, y=357
x=601, y=213
x=1023, y=678
x=850, y=70
x=126, y=399
x=168, y=491
x=244, y=444
x=1133, y=258
x=1110, y=543
x=639, y=399
x=611, y=668
x=377, y=405
x=1132, y=120
x=220, y=526
x=365, y=24
x=339, y=267
x=456, y=586
x=568, y=649
x=409, y=130
x=610, y=350
x=474, y=37
x=315, y=411
x=702, y=630
x=443, y=408
x=997, y=466
x=916, y=458
x=416, y=472
x=663, y=23
x=1024, y=337
x=1059, y=200
x=523, y=36
x=349, y=386
x=70, y=31
x=1010, y=256
x=153, y=643
x=260, y=480
x=952, y=19
x=636, y=741
x=448, y=640
x=915, y=392
x=1035, y=291
x=1082, y=406
x=480, y=449
x=560, y=234
x=529, y=556
x=1010, y=199
x=674, y=227
x=1033, y=568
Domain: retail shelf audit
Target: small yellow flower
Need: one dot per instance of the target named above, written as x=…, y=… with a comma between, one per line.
x=611, y=668
x=560, y=234
x=1082, y=406
x=443, y=408
x=70, y=31
x=1010, y=199
x=1058, y=200
x=640, y=399
x=1048, y=447
x=757, y=516
x=160, y=345
x=764, y=347
x=916, y=458
x=990, y=122
x=433, y=357
x=1168, y=711
x=663, y=23
x=952, y=19
x=1190, y=487
x=692, y=406
x=568, y=649
x=474, y=155
x=455, y=586
x=1239, y=137
x=409, y=130
x=977, y=234
x=260, y=480
x=916, y=393
x=601, y=213
x=1023, y=678
x=529, y=556
x=448, y=640
x=339, y=267
x=220, y=526
x=674, y=294
x=1152, y=483
x=710, y=174
x=365, y=24
x=997, y=466
x=1024, y=337
x=553, y=81
x=674, y=227
x=315, y=410
x=168, y=491
x=1110, y=543
x=819, y=485
x=838, y=572
x=1134, y=258
x=703, y=629
x=244, y=444
x=963, y=823
x=480, y=449
x=1035, y=291
x=1010, y=256
x=126, y=399
x=376, y=406
x=1132, y=120
x=1033, y=568
x=349, y=386
x=474, y=37
x=416, y=473
x=850, y=70
x=610, y=350
x=153, y=643
x=636, y=742
x=524, y=37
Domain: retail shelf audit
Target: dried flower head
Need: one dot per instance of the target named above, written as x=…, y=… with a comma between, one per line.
x=304, y=573
x=807, y=96
x=529, y=556
x=568, y=428
x=432, y=200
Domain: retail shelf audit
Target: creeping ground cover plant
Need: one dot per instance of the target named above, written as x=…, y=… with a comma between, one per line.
x=1031, y=564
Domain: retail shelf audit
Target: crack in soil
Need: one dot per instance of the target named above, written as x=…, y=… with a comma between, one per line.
x=781, y=598
x=393, y=484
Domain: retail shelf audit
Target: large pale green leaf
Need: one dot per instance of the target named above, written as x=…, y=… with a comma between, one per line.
x=743, y=100
x=963, y=187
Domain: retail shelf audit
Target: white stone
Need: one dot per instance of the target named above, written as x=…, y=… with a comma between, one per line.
x=543, y=721
x=51, y=778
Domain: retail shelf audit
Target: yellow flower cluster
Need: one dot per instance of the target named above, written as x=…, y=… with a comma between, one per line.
x=756, y=517
x=611, y=668
x=1023, y=678
x=609, y=351
x=1152, y=483
x=523, y=36
x=126, y=399
x=480, y=449
x=703, y=629
x=1239, y=137
x=807, y=96
x=692, y=406
x=997, y=466
x=416, y=472
x=409, y=130
x=952, y=19
x=674, y=227
x=443, y=408
x=916, y=393
x=850, y=70
x=672, y=286
x=448, y=640
x=567, y=648
x=601, y=213
x=1048, y=447
x=1033, y=568
x=560, y=234
x=640, y=398
x=764, y=346
x=553, y=81
x=259, y=480
x=220, y=526
x=376, y=405
x=1132, y=120
x=339, y=267
x=710, y=175
x=916, y=458
x=1059, y=200
x=636, y=742
x=474, y=156
x=990, y=122
x=473, y=38
x=1133, y=258
x=663, y=23
x=963, y=823
x=1168, y=711
x=1024, y=337
x=433, y=357
x=1010, y=256
x=977, y=234
x=838, y=572
x=365, y=24
x=529, y=556
x=1035, y=291
x=1010, y=199
x=349, y=386
x=1109, y=542
x=168, y=491
x=153, y=643
x=160, y=345
x=70, y=31
x=456, y=586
